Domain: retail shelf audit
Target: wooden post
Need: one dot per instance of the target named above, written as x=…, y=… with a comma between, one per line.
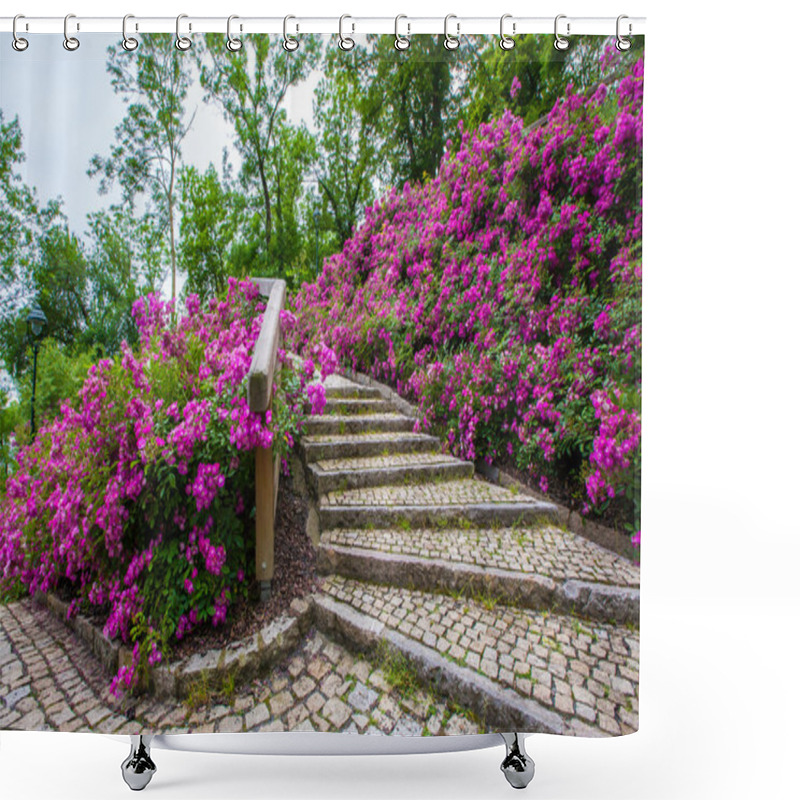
x=265, y=520
x=261, y=379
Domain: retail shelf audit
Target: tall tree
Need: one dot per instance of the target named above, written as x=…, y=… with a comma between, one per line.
x=420, y=90
x=529, y=78
x=147, y=154
x=22, y=220
x=125, y=257
x=211, y=220
x=250, y=86
x=348, y=117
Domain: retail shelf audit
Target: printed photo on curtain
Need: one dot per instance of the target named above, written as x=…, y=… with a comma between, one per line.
x=320, y=384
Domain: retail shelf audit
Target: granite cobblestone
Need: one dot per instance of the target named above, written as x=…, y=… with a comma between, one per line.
x=548, y=669
x=549, y=551
x=447, y=493
x=321, y=687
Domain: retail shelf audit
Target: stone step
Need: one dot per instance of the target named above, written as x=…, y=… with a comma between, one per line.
x=337, y=386
x=332, y=425
x=341, y=406
x=352, y=473
x=533, y=568
x=514, y=668
x=460, y=503
x=318, y=448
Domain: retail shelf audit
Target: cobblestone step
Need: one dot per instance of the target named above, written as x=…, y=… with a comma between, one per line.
x=532, y=568
x=460, y=503
x=357, y=405
x=402, y=468
x=338, y=386
x=516, y=669
x=332, y=425
x=320, y=447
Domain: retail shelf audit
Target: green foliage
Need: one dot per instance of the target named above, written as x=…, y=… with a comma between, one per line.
x=250, y=87
x=60, y=373
x=125, y=258
x=145, y=158
x=10, y=418
x=348, y=118
x=541, y=74
x=420, y=93
x=211, y=220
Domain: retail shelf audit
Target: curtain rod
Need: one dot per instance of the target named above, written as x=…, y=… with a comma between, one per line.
x=568, y=26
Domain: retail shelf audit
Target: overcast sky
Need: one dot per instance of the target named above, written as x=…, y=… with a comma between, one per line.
x=68, y=112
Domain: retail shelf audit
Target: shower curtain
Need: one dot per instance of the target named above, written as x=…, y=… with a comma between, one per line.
x=320, y=400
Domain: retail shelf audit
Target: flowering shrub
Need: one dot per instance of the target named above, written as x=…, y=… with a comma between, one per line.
x=504, y=296
x=138, y=498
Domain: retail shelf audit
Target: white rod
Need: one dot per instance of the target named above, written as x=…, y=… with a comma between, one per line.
x=330, y=25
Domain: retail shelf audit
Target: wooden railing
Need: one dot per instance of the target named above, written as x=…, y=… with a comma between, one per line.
x=260, y=384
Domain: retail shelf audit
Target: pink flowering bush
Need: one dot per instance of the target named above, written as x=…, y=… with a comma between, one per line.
x=138, y=497
x=504, y=296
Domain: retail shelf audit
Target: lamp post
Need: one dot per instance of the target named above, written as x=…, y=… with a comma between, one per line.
x=316, y=228
x=37, y=325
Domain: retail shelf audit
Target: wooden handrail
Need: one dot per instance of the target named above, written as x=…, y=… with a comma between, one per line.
x=260, y=382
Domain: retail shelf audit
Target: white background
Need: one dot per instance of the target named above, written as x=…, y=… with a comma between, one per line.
x=719, y=686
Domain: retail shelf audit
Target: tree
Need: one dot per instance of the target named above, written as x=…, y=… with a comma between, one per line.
x=125, y=260
x=21, y=224
x=419, y=90
x=348, y=118
x=147, y=155
x=250, y=87
x=529, y=78
x=211, y=219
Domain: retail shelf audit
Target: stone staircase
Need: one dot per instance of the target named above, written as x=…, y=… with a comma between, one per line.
x=528, y=626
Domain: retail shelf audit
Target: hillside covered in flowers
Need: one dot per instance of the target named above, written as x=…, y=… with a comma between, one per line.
x=504, y=297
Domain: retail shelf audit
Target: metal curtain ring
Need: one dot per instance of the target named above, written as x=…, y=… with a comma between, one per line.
x=345, y=42
x=623, y=42
x=506, y=42
x=561, y=43
x=451, y=42
x=401, y=42
x=290, y=43
x=70, y=42
x=18, y=43
x=129, y=43
x=182, y=42
x=233, y=44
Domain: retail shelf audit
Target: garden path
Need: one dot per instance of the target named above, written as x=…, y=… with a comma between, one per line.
x=50, y=680
x=498, y=609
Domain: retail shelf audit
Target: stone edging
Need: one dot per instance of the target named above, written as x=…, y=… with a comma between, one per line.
x=112, y=655
x=599, y=534
x=242, y=660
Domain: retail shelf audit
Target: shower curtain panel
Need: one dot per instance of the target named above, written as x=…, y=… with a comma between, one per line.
x=320, y=388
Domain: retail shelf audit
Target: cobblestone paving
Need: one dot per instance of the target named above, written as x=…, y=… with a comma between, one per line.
x=340, y=383
x=372, y=436
x=588, y=672
x=322, y=687
x=383, y=461
x=447, y=493
x=49, y=680
x=548, y=551
x=343, y=405
x=366, y=419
